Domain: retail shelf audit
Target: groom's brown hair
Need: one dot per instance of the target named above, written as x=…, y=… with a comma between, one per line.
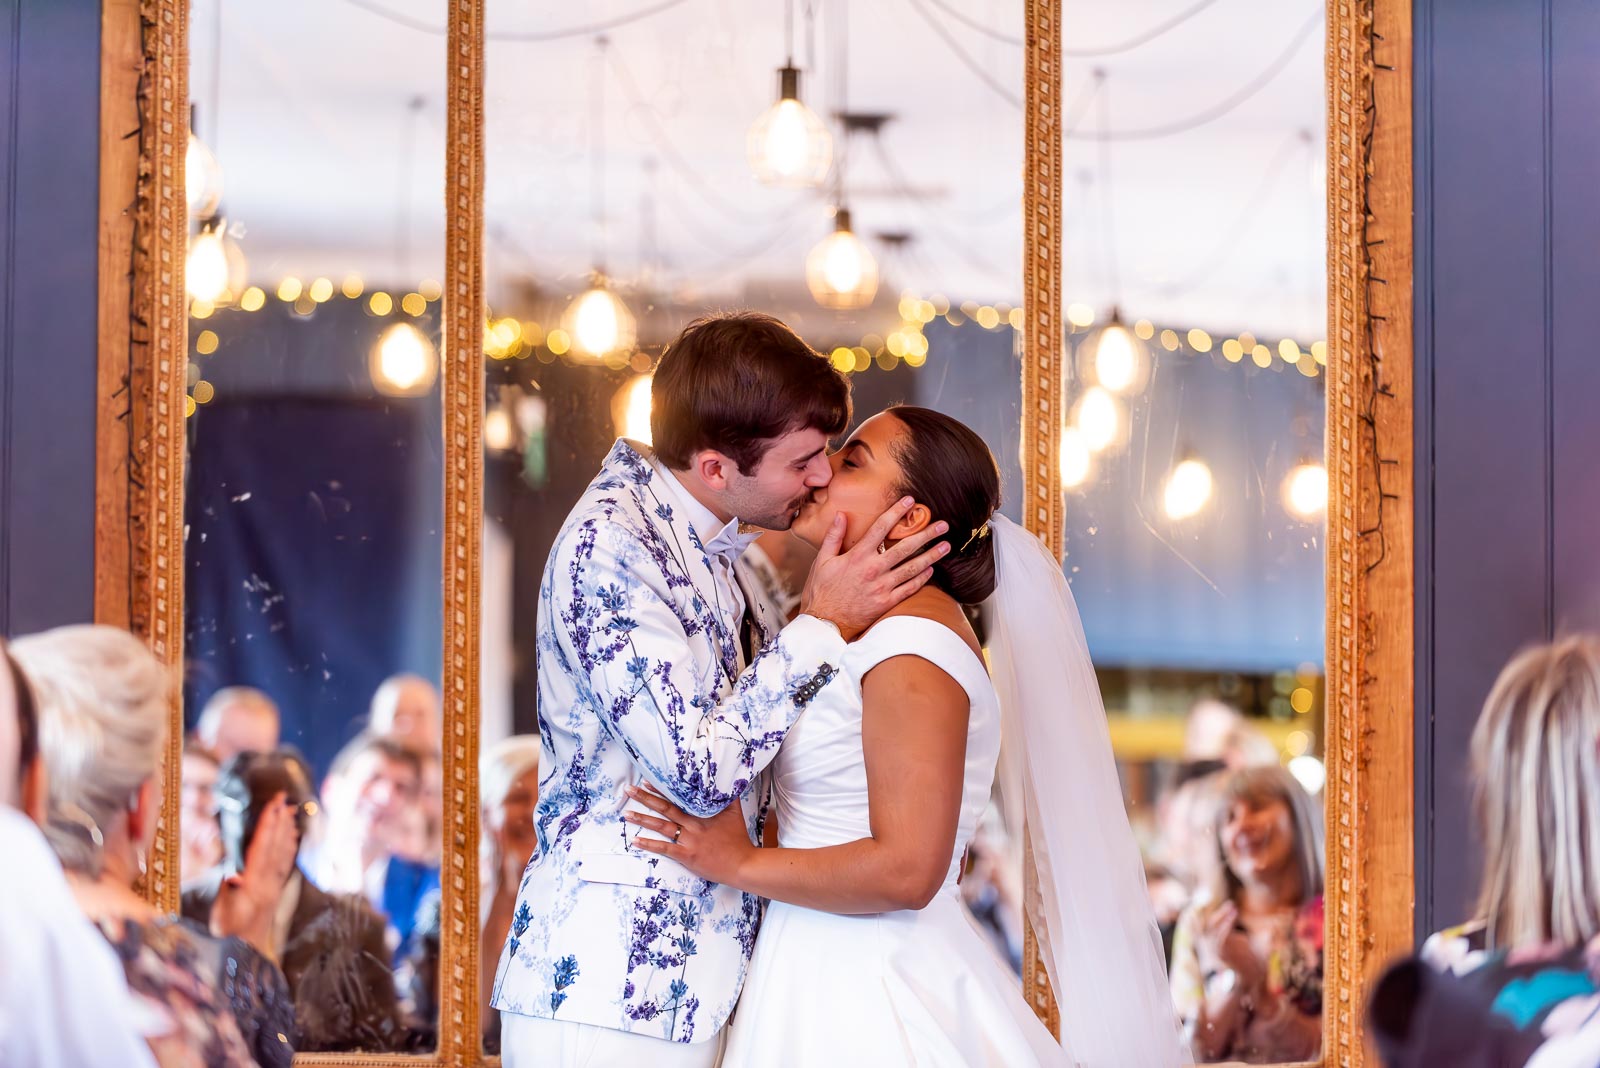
x=736, y=383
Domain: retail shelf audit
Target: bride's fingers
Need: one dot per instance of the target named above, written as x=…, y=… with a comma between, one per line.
x=652, y=845
x=656, y=803
x=665, y=828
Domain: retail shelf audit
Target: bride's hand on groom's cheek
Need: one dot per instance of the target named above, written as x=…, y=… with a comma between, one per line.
x=853, y=588
x=713, y=848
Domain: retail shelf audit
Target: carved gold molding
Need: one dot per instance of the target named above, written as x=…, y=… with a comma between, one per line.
x=157, y=358
x=1369, y=570
x=462, y=381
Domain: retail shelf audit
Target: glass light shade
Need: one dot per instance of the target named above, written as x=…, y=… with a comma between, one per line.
x=1075, y=457
x=403, y=363
x=1188, y=489
x=1117, y=358
x=599, y=323
x=205, y=270
x=202, y=180
x=1098, y=418
x=1305, y=491
x=840, y=271
x=789, y=146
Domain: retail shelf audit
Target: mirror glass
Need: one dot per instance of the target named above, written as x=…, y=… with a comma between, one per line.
x=641, y=177
x=1195, y=486
x=313, y=515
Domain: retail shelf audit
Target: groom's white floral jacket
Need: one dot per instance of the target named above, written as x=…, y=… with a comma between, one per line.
x=638, y=680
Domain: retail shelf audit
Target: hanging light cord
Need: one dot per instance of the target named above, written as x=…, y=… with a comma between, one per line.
x=1136, y=41
x=526, y=36
x=1211, y=114
x=965, y=57
x=1108, y=207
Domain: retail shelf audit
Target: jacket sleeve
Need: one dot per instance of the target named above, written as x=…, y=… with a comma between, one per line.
x=612, y=624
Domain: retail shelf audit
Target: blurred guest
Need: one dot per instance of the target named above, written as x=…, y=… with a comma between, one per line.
x=238, y=719
x=369, y=811
x=63, y=1000
x=508, y=789
x=991, y=886
x=331, y=947
x=1186, y=846
x=103, y=711
x=406, y=708
x=1216, y=731
x=1247, y=959
x=197, y=827
x=1524, y=974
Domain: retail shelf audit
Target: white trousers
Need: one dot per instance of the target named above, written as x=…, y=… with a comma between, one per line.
x=535, y=1042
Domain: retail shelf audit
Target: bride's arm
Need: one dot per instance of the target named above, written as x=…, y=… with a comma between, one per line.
x=914, y=741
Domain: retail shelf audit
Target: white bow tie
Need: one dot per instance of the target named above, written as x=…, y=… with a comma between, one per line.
x=731, y=542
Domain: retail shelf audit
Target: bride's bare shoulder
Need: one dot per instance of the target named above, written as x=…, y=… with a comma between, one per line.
x=937, y=605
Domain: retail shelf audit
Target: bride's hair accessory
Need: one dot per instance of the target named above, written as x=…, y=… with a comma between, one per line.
x=977, y=535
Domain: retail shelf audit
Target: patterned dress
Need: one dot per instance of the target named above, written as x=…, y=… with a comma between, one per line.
x=203, y=1002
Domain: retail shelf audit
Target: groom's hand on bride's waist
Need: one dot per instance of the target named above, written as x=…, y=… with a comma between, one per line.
x=853, y=589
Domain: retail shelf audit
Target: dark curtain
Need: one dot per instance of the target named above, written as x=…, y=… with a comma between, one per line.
x=313, y=556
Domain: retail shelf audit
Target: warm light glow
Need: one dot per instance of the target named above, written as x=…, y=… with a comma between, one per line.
x=788, y=145
x=254, y=299
x=916, y=345
x=1079, y=314
x=1075, y=457
x=1298, y=743
x=205, y=273
x=403, y=363
x=1310, y=772
x=430, y=290
x=381, y=303
x=1169, y=340
x=598, y=323
x=988, y=318
x=1116, y=358
x=413, y=304
x=558, y=342
x=1301, y=701
x=1144, y=329
x=204, y=392
x=498, y=432
x=1319, y=352
x=202, y=180
x=321, y=290
x=1306, y=490
x=1098, y=418
x=1188, y=489
x=632, y=409
x=352, y=286
x=844, y=360
x=1261, y=356
x=289, y=289
x=840, y=272
x=206, y=343
x=1199, y=340
x=1015, y=318
x=1232, y=351
x=1289, y=351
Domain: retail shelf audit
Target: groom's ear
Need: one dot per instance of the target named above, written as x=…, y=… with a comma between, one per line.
x=911, y=522
x=712, y=468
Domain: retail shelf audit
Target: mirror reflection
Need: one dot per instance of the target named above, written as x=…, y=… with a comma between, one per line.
x=1195, y=486
x=690, y=162
x=313, y=512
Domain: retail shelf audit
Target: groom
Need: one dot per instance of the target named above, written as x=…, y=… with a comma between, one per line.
x=651, y=669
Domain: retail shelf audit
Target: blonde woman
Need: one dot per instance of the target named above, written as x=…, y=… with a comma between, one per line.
x=1247, y=957
x=103, y=713
x=1532, y=954
x=508, y=788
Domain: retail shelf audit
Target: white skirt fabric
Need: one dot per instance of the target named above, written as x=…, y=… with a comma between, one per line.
x=900, y=988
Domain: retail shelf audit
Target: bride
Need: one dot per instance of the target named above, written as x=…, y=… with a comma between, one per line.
x=866, y=955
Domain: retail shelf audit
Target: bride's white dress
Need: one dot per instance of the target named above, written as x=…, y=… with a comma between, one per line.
x=918, y=988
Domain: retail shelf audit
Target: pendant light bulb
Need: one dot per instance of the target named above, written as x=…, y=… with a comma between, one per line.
x=206, y=269
x=840, y=270
x=202, y=180
x=598, y=322
x=789, y=146
x=403, y=363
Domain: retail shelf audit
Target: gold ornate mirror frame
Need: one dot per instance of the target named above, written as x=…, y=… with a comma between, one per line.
x=139, y=496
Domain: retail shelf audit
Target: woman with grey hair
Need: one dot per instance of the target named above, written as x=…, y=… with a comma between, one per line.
x=103, y=723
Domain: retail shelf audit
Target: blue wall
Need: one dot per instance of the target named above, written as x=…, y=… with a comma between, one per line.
x=49, y=207
x=1508, y=379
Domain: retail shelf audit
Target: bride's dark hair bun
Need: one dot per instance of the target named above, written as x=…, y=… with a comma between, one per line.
x=949, y=468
